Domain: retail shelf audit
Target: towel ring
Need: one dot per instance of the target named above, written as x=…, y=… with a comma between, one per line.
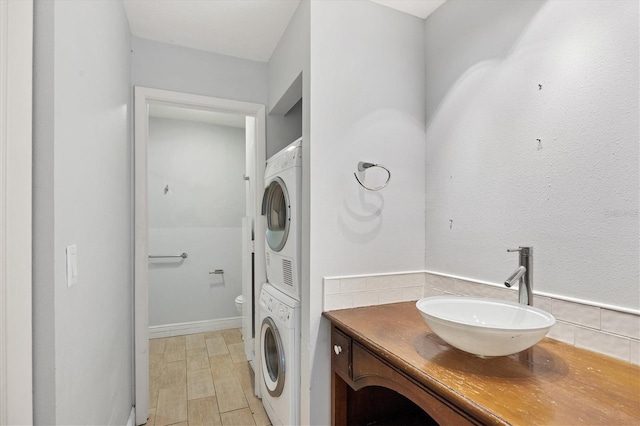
x=362, y=166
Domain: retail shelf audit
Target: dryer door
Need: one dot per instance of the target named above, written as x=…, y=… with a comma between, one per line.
x=273, y=359
x=276, y=206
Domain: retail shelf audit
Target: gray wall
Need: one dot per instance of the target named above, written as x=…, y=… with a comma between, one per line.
x=367, y=104
x=182, y=69
x=512, y=163
x=200, y=214
x=83, y=343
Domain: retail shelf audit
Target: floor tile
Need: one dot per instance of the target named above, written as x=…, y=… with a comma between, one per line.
x=156, y=346
x=237, y=418
x=155, y=363
x=216, y=346
x=204, y=411
x=174, y=354
x=255, y=404
x=172, y=405
x=244, y=374
x=194, y=341
x=230, y=395
x=152, y=417
x=173, y=374
x=202, y=379
x=175, y=342
x=154, y=388
x=197, y=359
x=221, y=367
x=260, y=417
x=199, y=384
x=212, y=334
x=237, y=352
x=232, y=336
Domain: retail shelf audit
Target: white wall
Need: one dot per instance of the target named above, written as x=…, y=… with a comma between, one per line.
x=182, y=69
x=573, y=195
x=201, y=214
x=83, y=351
x=367, y=104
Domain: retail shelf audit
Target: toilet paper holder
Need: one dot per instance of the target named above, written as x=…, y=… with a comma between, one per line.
x=217, y=272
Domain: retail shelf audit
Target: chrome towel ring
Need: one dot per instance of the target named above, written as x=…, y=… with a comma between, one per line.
x=362, y=166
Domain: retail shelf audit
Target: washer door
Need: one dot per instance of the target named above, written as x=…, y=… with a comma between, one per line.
x=273, y=360
x=275, y=205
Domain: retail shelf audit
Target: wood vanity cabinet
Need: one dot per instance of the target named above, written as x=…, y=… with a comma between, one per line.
x=389, y=368
x=368, y=390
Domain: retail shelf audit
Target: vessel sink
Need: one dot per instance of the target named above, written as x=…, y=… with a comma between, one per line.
x=485, y=327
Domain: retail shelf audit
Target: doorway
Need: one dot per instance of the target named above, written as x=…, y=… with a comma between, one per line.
x=148, y=103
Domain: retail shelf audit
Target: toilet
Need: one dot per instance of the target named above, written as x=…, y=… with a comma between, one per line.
x=239, y=302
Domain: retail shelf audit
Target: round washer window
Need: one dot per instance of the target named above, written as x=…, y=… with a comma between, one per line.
x=277, y=210
x=273, y=361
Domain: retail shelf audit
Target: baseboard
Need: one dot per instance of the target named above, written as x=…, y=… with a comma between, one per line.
x=170, y=330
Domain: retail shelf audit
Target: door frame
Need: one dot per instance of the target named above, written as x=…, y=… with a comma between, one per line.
x=16, y=76
x=142, y=97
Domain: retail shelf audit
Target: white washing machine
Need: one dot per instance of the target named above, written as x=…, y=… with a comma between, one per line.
x=281, y=205
x=280, y=354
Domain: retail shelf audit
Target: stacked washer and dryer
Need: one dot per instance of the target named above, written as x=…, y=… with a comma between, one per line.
x=280, y=296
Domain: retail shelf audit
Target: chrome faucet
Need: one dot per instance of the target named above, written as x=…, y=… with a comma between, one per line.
x=524, y=274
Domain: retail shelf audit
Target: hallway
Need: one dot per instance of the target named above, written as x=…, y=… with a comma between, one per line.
x=202, y=379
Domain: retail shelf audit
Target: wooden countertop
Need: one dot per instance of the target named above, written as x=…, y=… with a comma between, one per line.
x=550, y=383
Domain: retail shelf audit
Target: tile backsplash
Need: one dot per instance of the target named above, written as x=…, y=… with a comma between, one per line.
x=606, y=331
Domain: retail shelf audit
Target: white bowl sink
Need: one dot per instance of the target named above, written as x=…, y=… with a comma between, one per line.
x=485, y=327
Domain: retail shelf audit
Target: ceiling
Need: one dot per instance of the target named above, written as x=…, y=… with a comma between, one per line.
x=247, y=29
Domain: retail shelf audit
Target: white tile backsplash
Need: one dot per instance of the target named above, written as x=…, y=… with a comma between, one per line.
x=412, y=293
x=440, y=282
x=542, y=302
x=366, y=298
x=428, y=292
x=331, y=286
x=621, y=323
x=333, y=302
x=563, y=332
x=576, y=313
x=604, y=343
x=390, y=296
x=350, y=285
x=635, y=352
x=384, y=282
x=606, y=331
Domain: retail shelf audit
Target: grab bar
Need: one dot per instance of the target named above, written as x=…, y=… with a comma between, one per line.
x=183, y=255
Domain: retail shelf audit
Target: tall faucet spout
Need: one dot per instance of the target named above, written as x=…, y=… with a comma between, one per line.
x=515, y=276
x=524, y=273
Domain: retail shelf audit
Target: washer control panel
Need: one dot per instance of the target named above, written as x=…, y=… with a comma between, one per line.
x=276, y=309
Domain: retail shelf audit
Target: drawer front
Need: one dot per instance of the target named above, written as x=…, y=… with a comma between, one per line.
x=341, y=354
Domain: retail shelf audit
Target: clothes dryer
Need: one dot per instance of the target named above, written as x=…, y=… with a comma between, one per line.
x=281, y=205
x=280, y=355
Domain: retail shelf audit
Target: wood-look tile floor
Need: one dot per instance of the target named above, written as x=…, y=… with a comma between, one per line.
x=202, y=379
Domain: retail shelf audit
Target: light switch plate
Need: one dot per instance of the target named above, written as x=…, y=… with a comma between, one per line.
x=72, y=265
